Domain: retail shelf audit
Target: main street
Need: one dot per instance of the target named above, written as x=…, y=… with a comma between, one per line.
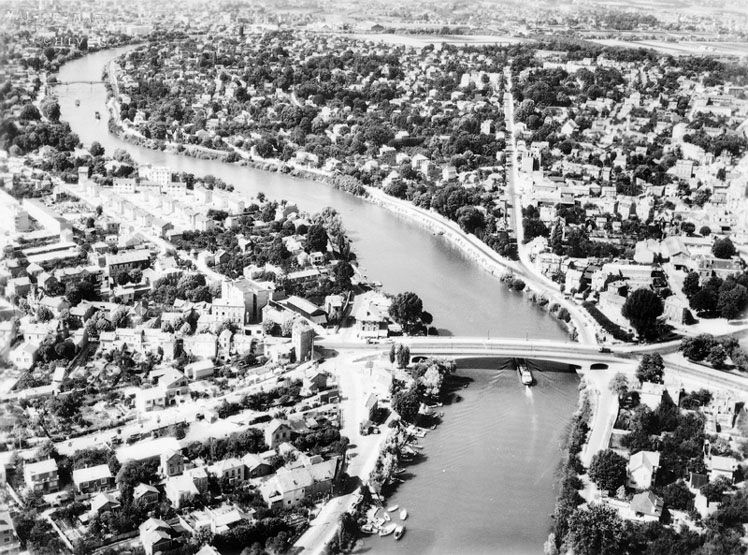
x=586, y=325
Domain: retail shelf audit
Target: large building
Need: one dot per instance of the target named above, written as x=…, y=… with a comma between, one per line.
x=241, y=301
x=125, y=261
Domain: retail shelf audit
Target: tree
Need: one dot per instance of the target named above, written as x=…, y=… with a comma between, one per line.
x=723, y=248
x=651, y=368
x=407, y=404
x=714, y=491
x=96, y=149
x=470, y=218
x=619, y=384
x=534, y=227
x=678, y=496
x=133, y=473
x=277, y=253
x=732, y=302
x=691, y=284
x=697, y=348
x=51, y=110
x=29, y=112
x=44, y=314
x=316, y=238
x=608, y=470
x=642, y=308
x=402, y=356
x=705, y=231
x=704, y=300
x=597, y=530
x=406, y=309
x=717, y=356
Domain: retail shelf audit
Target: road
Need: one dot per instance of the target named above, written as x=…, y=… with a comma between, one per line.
x=355, y=382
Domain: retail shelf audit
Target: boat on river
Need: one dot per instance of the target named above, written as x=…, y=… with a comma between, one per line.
x=77, y=102
x=525, y=375
x=367, y=529
x=399, y=531
x=97, y=115
x=393, y=508
x=403, y=514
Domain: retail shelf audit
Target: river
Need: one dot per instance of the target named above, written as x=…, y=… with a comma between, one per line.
x=488, y=481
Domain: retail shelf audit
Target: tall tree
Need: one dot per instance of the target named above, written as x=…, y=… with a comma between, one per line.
x=642, y=308
x=316, y=238
x=651, y=368
x=597, y=530
x=406, y=310
x=608, y=470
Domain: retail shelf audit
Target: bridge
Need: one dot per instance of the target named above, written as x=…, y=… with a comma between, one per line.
x=566, y=352
x=577, y=355
x=78, y=82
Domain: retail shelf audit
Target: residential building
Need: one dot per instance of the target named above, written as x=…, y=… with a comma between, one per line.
x=646, y=506
x=41, y=476
x=93, y=478
x=642, y=469
x=277, y=432
x=9, y=543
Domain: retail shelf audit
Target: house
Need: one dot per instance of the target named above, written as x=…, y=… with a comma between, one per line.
x=215, y=521
x=92, y=478
x=334, y=307
x=179, y=489
x=156, y=536
x=199, y=369
x=231, y=469
x=314, y=381
x=124, y=261
x=307, y=309
x=145, y=495
x=173, y=382
x=24, y=356
x=372, y=406
x=9, y=544
x=650, y=394
x=171, y=463
x=646, y=506
x=255, y=466
x=642, y=468
x=103, y=503
x=291, y=486
x=720, y=466
x=277, y=432
x=149, y=399
x=370, y=312
x=42, y=476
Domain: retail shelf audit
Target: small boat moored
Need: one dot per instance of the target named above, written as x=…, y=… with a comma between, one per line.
x=387, y=530
x=393, y=508
x=77, y=102
x=403, y=514
x=97, y=115
x=399, y=531
x=367, y=529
